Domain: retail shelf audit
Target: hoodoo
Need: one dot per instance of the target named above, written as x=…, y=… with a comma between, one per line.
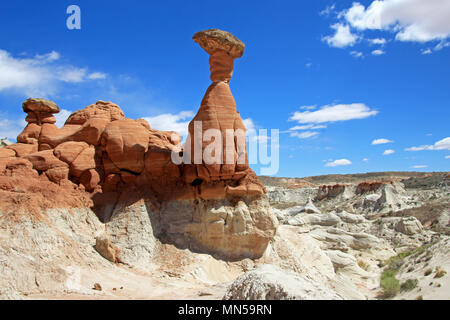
x=218, y=208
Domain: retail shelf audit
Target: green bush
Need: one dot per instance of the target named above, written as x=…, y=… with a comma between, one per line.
x=409, y=285
x=390, y=284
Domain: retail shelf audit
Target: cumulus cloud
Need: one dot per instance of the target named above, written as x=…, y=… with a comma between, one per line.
x=388, y=152
x=357, y=54
x=328, y=10
x=365, y=159
x=381, y=141
x=410, y=20
x=308, y=127
x=443, y=144
x=379, y=41
x=342, y=37
x=97, y=76
x=172, y=122
x=419, y=167
x=447, y=157
x=305, y=134
x=334, y=113
x=337, y=163
x=378, y=52
x=40, y=75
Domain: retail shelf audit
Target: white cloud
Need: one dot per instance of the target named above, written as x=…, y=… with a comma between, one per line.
x=305, y=134
x=379, y=41
x=308, y=127
x=411, y=20
x=47, y=57
x=388, y=152
x=172, y=122
x=71, y=74
x=97, y=76
x=381, y=141
x=340, y=162
x=357, y=54
x=38, y=76
x=328, y=10
x=333, y=113
x=441, y=45
x=365, y=159
x=378, y=52
x=11, y=128
x=308, y=107
x=447, y=157
x=342, y=37
x=426, y=51
x=419, y=167
x=443, y=144
x=308, y=65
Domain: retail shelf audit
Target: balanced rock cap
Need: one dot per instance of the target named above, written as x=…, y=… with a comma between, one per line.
x=40, y=105
x=215, y=39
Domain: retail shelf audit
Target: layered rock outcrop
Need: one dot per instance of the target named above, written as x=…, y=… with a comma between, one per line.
x=119, y=161
x=219, y=119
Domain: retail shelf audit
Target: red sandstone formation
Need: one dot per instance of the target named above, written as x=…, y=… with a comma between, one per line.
x=327, y=191
x=99, y=158
x=369, y=186
x=218, y=111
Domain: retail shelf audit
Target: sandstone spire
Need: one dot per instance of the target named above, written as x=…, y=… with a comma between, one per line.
x=218, y=110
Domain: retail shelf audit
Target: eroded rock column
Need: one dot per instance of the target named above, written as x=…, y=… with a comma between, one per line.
x=218, y=111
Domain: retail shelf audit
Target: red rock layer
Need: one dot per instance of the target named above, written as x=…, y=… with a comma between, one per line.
x=369, y=186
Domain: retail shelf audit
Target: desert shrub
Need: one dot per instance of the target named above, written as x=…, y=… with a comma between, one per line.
x=428, y=272
x=389, y=283
x=363, y=265
x=409, y=285
x=419, y=298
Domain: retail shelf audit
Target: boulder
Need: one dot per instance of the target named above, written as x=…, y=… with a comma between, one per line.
x=106, y=249
x=85, y=161
x=45, y=160
x=58, y=174
x=7, y=153
x=351, y=217
x=268, y=282
x=409, y=226
x=326, y=219
x=90, y=179
x=30, y=134
x=23, y=149
x=40, y=106
x=69, y=151
x=100, y=110
x=126, y=142
x=309, y=207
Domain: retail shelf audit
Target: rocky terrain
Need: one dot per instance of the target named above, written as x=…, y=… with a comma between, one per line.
x=99, y=210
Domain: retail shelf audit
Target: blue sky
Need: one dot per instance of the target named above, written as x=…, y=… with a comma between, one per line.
x=332, y=76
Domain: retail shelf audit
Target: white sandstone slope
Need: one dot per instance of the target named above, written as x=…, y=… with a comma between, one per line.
x=334, y=248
